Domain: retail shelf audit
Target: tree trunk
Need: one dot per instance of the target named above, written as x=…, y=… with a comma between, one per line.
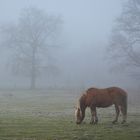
x=33, y=79
x=33, y=69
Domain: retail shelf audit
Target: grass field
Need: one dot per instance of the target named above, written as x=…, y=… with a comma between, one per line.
x=49, y=115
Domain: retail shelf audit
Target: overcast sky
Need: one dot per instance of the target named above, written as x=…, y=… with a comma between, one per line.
x=86, y=30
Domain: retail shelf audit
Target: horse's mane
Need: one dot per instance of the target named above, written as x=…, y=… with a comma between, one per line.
x=81, y=101
x=78, y=104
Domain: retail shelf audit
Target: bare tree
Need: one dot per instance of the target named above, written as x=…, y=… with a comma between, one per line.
x=125, y=40
x=31, y=38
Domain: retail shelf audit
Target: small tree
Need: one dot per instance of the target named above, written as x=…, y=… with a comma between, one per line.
x=125, y=40
x=31, y=38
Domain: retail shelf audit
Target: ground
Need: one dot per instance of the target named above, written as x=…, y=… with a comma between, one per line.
x=49, y=115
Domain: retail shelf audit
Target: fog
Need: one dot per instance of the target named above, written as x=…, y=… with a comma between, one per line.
x=81, y=56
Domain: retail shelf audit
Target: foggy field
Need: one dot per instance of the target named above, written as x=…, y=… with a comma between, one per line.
x=49, y=115
x=58, y=49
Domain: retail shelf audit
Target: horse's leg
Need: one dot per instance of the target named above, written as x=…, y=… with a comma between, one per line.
x=94, y=118
x=117, y=113
x=124, y=114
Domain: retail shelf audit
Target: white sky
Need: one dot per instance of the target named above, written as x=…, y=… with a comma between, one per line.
x=86, y=30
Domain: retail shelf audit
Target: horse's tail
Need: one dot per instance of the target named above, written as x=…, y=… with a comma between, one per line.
x=124, y=105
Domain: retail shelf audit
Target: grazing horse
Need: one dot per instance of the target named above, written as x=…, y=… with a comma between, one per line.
x=94, y=97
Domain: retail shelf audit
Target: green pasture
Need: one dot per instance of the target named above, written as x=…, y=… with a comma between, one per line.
x=49, y=115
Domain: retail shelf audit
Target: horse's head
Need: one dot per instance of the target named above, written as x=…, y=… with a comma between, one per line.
x=80, y=109
x=78, y=115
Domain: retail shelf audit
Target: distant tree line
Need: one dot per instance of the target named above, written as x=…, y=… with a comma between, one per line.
x=30, y=40
x=124, y=47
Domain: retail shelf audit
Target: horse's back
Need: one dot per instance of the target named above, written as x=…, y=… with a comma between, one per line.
x=114, y=91
x=106, y=97
x=117, y=91
x=119, y=95
x=98, y=97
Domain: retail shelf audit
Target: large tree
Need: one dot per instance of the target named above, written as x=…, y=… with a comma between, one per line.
x=125, y=40
x=31, y=38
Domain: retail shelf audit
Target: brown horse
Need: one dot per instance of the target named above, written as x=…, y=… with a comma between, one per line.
x=95, y=97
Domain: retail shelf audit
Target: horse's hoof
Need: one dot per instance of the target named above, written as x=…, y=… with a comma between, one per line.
x=96, y=122
x=123, y=122
x=114, y=122
x=91, y=123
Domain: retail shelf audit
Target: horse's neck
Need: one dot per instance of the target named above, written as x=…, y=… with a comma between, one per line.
x=82, y=103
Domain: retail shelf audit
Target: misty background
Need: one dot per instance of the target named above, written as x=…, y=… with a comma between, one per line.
x=81, y=55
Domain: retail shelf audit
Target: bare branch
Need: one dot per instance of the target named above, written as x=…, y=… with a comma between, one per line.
x=125, y=39
x=30, y=38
